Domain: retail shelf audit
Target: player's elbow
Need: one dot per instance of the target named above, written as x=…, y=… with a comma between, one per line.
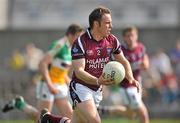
x=146, y=62
x=42, y=65
x=145, y=65
x=78, y=72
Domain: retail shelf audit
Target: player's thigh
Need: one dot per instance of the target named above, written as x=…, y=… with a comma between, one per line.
x=142, y=110
x=64, y=106
x=44, y=104
x=63, y=91
x=80, y=93
x=88, y=112
x=77, y=117
x=43, y=93
x=85, y=100
x=44, y=96
x=130, y=97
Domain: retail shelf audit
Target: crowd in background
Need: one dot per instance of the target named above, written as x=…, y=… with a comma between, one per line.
x=161, y=81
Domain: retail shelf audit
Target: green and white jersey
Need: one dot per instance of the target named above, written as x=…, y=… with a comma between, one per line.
x=61, y=52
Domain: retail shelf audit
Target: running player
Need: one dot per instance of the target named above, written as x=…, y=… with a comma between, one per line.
x=134, y=51
x=53, y=88
x=90, y=52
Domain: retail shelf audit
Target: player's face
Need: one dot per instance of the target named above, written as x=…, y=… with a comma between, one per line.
x=131, y=38
x=105, y=25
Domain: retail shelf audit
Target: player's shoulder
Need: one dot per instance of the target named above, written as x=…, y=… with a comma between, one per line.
x=61, y=41
x=84, y=38
x=56, y=44
x=112, y=37
x=140, y=44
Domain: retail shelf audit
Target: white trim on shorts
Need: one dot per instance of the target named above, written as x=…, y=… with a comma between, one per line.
x=81, y=93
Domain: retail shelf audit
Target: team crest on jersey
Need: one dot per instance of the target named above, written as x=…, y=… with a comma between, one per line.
x=75, y=50
x=108, y=50
x=140, y=55
x=89, y=52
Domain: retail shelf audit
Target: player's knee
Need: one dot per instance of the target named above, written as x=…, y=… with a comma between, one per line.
x=131, y=115
x=68, y=121
x=94, y=120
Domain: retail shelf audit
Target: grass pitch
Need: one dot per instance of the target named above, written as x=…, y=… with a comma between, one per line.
x=113, y=120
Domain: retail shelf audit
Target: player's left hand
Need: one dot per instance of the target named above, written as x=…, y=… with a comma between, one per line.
x=137, y=84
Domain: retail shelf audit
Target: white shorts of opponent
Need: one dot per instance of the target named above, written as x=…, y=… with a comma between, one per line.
x=80, y=93
x=130, y=97
x=43, y=93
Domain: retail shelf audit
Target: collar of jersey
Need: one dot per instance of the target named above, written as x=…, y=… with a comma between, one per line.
x=90, y=35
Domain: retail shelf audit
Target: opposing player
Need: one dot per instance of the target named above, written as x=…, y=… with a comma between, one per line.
x=90, y=52
x=134, y=51
x=53, y=88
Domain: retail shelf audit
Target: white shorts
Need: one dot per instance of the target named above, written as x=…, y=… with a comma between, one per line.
x=80, y=93
x=43, y=93
x=130, y=97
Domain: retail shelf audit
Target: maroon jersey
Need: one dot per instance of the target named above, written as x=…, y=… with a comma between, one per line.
x=95, y=53
x=135, y=58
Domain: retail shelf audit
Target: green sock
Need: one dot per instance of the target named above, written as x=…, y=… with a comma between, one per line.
x=20, y=103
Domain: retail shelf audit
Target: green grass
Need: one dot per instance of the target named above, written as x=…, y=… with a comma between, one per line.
x=120, y=120
x=16, y=121
x=107, y=121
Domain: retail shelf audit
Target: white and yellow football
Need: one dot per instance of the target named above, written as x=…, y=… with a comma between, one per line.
x=114, y=70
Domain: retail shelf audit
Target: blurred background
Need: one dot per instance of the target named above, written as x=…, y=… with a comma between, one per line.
x=28, y=26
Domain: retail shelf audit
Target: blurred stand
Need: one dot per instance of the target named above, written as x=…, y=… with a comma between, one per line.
x=32, y=57
x=175, y=59
x=168, y=85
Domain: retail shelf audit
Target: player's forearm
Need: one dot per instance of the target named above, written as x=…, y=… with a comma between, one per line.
x=128, y=70
x=145, y=63
x=67, y=79
x=47, y=78
x=43, y=67
x=129, y=75
x=86, y=77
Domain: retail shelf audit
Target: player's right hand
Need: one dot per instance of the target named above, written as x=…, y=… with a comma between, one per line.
x=52, y=89
x=103, y=81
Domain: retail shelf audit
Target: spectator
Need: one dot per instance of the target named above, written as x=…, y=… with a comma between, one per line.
x=32, y=57
x=175, y=58
x=16, y=61
x=169, y=89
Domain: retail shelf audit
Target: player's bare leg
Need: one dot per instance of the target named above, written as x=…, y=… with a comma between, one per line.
x=46, y=117
x=116, y=110
x=87, y=111
x=64, y=107
x=42, y=104
x=31, y=112
x=45, y=104
x=143, y=114
x=77, y=117
x=20, y=104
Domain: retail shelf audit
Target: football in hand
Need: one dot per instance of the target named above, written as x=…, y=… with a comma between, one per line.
x=114, y=70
